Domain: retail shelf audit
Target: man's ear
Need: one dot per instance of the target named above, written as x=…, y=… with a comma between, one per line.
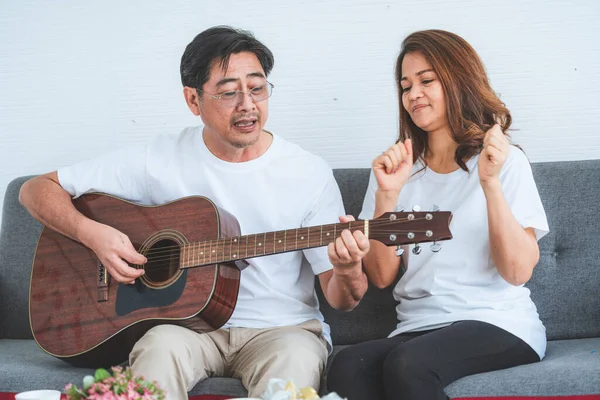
x=192, y=99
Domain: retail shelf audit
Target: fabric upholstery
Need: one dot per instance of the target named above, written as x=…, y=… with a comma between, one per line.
x=564, y=288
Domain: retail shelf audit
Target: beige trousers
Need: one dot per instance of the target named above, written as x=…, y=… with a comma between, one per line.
x=177, y=358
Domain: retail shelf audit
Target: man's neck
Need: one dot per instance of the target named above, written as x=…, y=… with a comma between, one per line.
x=227, y=152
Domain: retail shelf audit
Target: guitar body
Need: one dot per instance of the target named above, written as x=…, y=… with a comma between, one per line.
x=77, y=313
x=195, y=253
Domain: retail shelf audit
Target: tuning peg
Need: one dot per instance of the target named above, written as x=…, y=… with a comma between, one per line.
x=417, y=249
x=436, y=208
x=399, y=208
x=416, y=208
x=435, y=247
x=399, y=251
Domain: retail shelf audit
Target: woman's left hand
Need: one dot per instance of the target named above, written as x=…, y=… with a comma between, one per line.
x=494, y=154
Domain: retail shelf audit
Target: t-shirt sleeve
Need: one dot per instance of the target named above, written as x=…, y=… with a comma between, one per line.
x=121, y=173
x=368, y=207
x=521, y=194
x=326, y=210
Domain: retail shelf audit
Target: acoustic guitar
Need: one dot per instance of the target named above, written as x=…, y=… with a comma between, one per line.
x=195, y=256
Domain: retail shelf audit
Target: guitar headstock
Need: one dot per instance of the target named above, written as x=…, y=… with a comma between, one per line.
x=398, y=228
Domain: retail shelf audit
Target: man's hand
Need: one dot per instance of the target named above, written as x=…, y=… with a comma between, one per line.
x=346, y=284
x=114, y=250
x=347, y=252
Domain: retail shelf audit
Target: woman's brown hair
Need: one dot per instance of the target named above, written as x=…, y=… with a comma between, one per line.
x=472, y=107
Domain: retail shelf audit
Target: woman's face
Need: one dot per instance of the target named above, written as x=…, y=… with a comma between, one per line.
x=422, y=94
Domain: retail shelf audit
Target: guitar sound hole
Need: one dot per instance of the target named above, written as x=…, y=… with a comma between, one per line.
x=163, y=261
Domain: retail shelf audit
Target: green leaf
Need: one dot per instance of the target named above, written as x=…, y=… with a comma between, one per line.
x=101, y=374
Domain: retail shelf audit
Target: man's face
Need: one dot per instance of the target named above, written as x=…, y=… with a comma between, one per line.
x=235, y=123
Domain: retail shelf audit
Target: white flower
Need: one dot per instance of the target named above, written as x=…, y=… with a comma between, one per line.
x=278, y=389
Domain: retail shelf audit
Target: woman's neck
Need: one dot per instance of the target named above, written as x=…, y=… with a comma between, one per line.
x=441, y=152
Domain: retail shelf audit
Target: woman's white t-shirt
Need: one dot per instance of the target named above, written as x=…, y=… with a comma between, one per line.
x=461, y=281
x=285, y=188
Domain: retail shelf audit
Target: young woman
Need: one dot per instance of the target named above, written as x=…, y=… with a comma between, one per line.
x=462, y=310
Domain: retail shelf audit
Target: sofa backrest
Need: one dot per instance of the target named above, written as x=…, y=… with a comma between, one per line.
x=566, y=282
x=564, y=285
x=18, y=239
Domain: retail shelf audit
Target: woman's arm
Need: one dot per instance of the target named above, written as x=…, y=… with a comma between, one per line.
x=514, y=250
x=391, y=170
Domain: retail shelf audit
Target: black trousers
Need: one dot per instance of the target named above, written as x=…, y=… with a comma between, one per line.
x=419, y=365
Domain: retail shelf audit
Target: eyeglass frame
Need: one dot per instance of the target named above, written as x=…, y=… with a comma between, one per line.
x=248, y=92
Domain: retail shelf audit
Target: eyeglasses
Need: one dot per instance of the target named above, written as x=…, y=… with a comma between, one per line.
x=232, y=98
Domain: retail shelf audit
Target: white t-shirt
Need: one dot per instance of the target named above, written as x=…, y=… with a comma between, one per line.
x=284, y=188
x=461, y=282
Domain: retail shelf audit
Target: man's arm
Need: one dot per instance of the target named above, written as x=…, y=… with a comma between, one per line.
x=49, y=203
x=345, y=285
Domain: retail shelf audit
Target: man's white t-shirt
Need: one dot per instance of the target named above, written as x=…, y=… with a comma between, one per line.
x=285, y=188
x=461, y=281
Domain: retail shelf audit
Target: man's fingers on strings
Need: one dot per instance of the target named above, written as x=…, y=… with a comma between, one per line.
x=362, y=241
x=342, y=251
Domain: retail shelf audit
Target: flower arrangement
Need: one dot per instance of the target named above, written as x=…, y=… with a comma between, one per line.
x=121, y=385
x=278, y=389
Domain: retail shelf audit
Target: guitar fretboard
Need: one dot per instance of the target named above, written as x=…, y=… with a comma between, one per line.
x=262, y=244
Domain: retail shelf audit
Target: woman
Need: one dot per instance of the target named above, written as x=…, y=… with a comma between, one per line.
x=462, y=310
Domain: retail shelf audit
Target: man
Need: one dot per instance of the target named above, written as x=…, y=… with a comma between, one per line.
x=268, y=183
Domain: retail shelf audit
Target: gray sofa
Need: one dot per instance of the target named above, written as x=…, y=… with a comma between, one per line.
x=565, y=288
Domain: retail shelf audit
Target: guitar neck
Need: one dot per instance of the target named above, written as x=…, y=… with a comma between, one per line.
x=264, y=244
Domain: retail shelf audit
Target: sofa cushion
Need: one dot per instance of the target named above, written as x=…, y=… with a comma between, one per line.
x=571, y=367
x=223, y=386
x=24, y=366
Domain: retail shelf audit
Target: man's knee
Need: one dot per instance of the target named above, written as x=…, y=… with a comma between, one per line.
x=299, y=354
x=161, y=342
x=299, y=345
x=285, y=353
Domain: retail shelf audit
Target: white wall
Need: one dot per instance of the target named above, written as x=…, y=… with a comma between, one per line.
x=81, y=78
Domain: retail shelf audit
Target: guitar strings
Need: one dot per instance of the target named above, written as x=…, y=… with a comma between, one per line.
x=167, y=250
x=167, y=254
x=228, y=241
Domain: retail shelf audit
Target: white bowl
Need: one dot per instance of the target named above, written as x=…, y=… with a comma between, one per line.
x=38, y=395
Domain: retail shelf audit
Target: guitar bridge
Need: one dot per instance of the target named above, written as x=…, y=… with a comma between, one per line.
x=103, y=281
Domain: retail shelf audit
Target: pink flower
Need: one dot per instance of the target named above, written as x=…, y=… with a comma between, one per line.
x=121, y=385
